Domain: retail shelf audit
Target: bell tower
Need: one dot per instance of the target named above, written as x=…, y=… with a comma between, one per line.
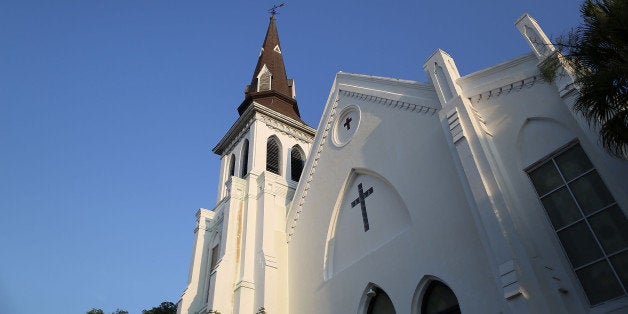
x=240, y=253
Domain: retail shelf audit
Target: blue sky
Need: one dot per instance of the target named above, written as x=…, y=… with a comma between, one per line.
x=109, y=110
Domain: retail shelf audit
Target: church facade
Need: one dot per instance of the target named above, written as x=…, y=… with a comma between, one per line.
x=482, y=193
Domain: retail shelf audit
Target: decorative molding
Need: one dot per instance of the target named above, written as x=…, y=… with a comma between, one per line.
x=285, y=129
x=568, y=90
x=236, y=139
x=244, y=284
x=398, y=104
x=481, y=120
x=306, y=180
x=505, y=89
x=235, y=188
x=248, y=117
x=509, y=280
x=272, y=184
x=454, y=125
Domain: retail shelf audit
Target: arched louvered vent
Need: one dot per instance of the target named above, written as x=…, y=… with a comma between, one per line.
x=272, y=155
x=245, y=158
x=264, y=79
x=296, y=163
x=231, y=165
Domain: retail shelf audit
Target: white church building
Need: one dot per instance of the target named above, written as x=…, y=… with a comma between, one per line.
x=482, y=193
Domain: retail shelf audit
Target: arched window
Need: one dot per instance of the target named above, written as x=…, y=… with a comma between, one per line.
x=296, y=163
x=379, y=302
x=245, y=158
x=272, y=155
x=231, y=165
x=439, y=299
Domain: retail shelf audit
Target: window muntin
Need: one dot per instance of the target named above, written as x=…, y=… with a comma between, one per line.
x=590, y=225
x=296, y=163
x=272, y=155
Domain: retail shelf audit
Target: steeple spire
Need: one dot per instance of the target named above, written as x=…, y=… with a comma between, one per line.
x=270, y=85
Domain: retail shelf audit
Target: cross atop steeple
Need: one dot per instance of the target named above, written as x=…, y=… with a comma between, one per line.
x=273, y=10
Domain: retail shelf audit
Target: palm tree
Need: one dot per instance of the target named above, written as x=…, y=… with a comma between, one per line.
x=597, y=54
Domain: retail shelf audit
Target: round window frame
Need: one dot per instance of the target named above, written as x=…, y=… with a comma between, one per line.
x=337, y=125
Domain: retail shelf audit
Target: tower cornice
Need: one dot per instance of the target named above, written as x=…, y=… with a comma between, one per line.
x=239, y=128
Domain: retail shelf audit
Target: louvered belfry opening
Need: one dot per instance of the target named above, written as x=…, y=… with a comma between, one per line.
x=264, y=81
x=296, y=163
x=245, y=158
x=272, y=155
x=231, y=165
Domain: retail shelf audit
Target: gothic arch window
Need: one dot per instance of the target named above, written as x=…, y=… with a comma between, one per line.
x=296, y=162
x=588, y=222
x=272, y=155
x=213, y=251
x=245, y=158
x=439, y=299
x=377, y=302
x=264, y=79
x=231, y=165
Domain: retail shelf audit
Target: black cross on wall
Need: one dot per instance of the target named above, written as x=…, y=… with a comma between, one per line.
x=362, y=201
x=348, y=123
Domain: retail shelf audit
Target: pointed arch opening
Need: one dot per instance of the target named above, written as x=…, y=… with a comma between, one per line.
x=264, y=79
x=245, y=158
x=375, y=301
x=435, y=297
x=273, y=157
x=231, y=165
x=297, y=160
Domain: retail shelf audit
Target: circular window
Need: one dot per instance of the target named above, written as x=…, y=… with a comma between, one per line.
x=346, y=125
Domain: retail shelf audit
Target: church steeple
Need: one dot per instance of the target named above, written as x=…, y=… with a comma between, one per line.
x=270, y=85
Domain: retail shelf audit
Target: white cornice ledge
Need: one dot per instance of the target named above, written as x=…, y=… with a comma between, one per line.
x=385, y=80
x=243, y=123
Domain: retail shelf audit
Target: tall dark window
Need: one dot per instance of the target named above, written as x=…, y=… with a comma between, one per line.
x=272, y=155
x=245, y=158
x=380, y=302
x=589, y=224
x=439, y=299
x=215, y=253
x=296, y=163
x=231, y=165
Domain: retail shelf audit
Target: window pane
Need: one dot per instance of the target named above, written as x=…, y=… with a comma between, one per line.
x=573, y=162
x=620, y=263
x=545, y=178
x=561, y=208
x=599, y=283
x=591, y=193
x=579, y=244
x=611, y=229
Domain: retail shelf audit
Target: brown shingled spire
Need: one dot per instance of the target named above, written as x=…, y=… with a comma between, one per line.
x=270, y=86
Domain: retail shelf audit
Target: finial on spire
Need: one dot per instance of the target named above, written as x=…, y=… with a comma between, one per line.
x=273, y=10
